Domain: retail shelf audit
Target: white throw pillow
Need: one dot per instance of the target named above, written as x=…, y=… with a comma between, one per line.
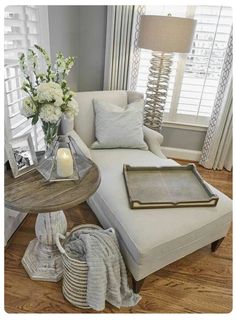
x=119, y=127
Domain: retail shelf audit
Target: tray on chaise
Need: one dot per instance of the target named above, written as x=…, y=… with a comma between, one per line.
x=167, y=187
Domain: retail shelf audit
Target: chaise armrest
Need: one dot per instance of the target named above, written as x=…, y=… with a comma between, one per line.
x=80, y=143
x=153, y=140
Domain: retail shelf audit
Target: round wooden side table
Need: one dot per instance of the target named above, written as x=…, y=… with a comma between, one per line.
x=33, y=194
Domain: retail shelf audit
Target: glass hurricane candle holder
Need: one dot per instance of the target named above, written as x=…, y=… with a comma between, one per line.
x=64, y=161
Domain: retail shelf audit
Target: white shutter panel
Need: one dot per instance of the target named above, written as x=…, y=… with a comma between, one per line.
x=21, y=33
x=204, y=62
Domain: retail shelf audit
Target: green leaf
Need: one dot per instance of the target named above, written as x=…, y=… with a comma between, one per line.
x=35, y=119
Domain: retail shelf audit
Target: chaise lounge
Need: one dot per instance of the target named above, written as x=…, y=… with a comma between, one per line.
x=149, y=238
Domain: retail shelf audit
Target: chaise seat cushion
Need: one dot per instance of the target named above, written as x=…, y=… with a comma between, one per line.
x=152, y=238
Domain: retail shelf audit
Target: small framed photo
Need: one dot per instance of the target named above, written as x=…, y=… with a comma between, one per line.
x=21, y=155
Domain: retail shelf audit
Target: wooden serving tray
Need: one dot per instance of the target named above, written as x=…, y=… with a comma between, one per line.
x=167, y=187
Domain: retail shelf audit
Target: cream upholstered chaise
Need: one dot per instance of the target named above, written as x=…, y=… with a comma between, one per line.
x=149, y=238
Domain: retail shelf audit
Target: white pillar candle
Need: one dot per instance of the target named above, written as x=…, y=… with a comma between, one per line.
x=64, y=163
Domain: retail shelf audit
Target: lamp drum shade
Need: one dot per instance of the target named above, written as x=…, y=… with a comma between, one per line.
x=166, y=33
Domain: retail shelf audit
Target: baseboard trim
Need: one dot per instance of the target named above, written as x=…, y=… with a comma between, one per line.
x=182, y=154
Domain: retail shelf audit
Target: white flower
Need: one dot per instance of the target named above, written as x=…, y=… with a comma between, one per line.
x=58, y=99
x=42, y=76
x=22, y=63
x=49, y=91
x=32, y=58
x=72, y=108
x=50, y=113
x=61, y=66
x=28, y=109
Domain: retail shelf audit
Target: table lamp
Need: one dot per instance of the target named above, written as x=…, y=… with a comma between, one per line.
x=163, y=35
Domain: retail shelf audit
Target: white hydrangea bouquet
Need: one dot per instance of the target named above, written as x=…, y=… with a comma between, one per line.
x=49, y=96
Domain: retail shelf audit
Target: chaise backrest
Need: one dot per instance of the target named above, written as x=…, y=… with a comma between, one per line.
x=84, y=122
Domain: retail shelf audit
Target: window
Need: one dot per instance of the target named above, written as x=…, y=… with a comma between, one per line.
x=23, y=28
x=195, y=76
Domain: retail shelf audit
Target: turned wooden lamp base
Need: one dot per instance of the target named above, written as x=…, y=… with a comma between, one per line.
x=42, y=260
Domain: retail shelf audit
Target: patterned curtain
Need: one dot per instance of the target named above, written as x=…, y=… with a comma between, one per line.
x=121, y=31
x=135, y=57
x=217, y=148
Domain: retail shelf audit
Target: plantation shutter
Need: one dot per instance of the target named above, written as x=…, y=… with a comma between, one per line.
x=21, y=33
x=204, y=62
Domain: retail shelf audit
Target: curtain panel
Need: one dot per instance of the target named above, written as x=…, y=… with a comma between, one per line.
x=120, y=37
x=217, y=147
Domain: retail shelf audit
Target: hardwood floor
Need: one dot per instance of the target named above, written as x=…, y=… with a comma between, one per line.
x=199, y=283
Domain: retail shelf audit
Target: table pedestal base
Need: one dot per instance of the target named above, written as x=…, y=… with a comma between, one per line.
x=42, y=260
x=42, y=263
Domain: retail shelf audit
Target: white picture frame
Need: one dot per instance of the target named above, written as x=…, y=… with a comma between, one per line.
x=21, y=154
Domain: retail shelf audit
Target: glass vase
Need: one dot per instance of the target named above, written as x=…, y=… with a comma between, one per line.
x=50, y=130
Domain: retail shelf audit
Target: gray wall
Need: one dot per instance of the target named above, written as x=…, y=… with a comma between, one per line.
x=80, y=31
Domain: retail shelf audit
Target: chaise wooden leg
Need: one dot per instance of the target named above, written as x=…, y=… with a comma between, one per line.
x=137, y=285
x=215, y=245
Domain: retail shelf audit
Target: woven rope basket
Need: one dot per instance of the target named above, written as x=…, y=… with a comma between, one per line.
x=75, y=273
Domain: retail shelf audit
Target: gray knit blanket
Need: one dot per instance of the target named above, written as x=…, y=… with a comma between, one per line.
x=107, y=276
